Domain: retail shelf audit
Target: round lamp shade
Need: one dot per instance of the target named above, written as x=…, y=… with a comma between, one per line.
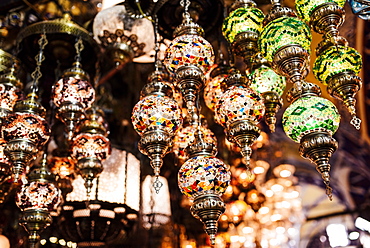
x=203, y=174
x=73, y=90
x=242, y=20
x=38, y=195
x=281, y=32
x=4, y=242
x=336, y=59
x=310, y=114
x=87, y=145
x=265, y=79
x=156, y=111
x=186, y=136
x=305, y=8
x=213, y=91
x=189, y=50
x=27, y=126
x=239, y=103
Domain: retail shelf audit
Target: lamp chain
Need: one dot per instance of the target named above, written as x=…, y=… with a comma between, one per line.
x=79, y=46
x=185, y=4
x=36, y=74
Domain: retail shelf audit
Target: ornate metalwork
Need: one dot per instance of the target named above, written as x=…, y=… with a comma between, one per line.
x=208, y=208
x=361, y=8
x=327, y=18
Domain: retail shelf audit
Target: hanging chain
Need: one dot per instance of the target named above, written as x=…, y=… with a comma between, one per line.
x=36, y=74
x=185, y=4
x=79, y=46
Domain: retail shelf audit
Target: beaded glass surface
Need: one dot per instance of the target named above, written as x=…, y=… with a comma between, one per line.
x=213, y=91
x=310, y=114
x=8, y=96
x=281, y=32
x=202, y=175
x=336, y=59
x=242, y=20
x=189, y=50
x=239, y=103
x=27, y=126
x=186, y=135
x=305, y=8
x=73, y=90
x=155, y=111
x=38, y=195
x=87, y=145
x=265, y=79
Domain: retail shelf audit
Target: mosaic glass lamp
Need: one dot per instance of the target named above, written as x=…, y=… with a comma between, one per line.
x=10, y=87
x=37, y=198
x=5, y=164
x=242, y=27
x=189, y=57
x=185, y=137
x=156, y=118
x=285, y=42
x=311, y=121
x=338, y=66
x=25, y=131
x=72, y=94
x=323, y=16
x=204, y=178
x=239, y=110
x=90, y=147
x=264, y=80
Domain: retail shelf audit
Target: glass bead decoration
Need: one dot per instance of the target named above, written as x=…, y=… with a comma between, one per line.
x=265, y=79
x=310, y=114
x=305, y=8
x=242, y=20
x=336, y=59
x=281, y=32
x=213, y=91
x=156, y=111
x=239, y=103
x=73, y=90
x=26, y=126
x=38, y=195
x=203, y=174
x=186, y=136
x=189, y=50
x=90, y=145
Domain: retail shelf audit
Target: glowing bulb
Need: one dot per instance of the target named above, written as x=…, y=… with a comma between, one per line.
x=269, y=193
x=264, y=210
x=247, y=230
x=280, y=229
x=277, y=188
x=285, y=173
x=275, y=217
x=258, y=170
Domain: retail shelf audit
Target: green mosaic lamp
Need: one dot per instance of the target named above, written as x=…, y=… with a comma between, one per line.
x=311, y=121
x=323, y=16
x=242, y=28
x=285, y=42
x=264, y=80
x=338, y=66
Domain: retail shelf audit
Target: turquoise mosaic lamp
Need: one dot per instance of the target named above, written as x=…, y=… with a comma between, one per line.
x=311, y=121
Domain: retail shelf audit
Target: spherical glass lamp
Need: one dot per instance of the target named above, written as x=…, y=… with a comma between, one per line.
x=186, y=135
x=213, y=91
x=156, y=118
x=338, y=68
x=271, y=86
x=239, y=110
x=10, y=87
x=204, y=179
x=25, y=132
x=285, y=42
x=311, y=121
x=242, y=28
x=72, y=94
x=37, y=198
x=324, y=16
